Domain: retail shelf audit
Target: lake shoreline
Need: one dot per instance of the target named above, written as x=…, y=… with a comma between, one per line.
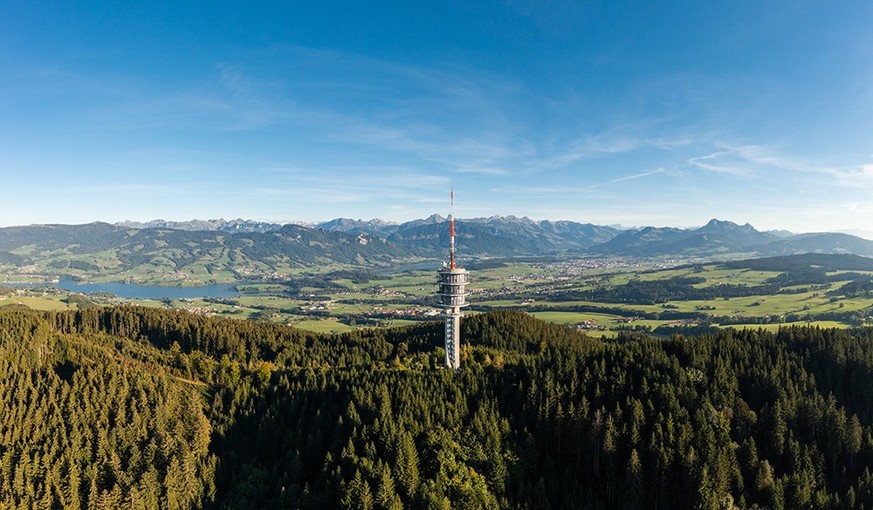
x=127, y=290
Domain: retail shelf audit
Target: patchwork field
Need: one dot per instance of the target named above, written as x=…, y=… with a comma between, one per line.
x=598, y=296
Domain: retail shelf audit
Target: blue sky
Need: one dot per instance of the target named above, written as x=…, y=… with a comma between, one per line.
x=613, y=112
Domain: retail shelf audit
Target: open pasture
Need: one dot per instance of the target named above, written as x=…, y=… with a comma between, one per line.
x=598, y=296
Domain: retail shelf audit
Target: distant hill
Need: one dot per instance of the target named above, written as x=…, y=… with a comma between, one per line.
x=828, y=242
x=805, y=261
x=495, y=236
x=75, y=238
x=645, y=241
x=100, y=249
x=222, y=250
x=508, y=236
x=781, y=233
x=724, y=237
x=220, y=225
x=715, y=237
x=375, y=226
x=472, y=240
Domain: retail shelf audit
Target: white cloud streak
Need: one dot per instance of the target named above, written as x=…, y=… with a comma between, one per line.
x=762, y=162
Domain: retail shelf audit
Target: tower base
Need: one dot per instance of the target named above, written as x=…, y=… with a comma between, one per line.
x=453, y=340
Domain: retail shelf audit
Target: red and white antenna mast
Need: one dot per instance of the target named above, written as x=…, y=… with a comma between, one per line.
x=452, y=230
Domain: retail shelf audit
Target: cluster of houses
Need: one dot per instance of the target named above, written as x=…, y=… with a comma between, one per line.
x=405, y=313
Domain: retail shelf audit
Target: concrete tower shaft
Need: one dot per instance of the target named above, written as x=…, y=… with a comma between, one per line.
x=452, y=297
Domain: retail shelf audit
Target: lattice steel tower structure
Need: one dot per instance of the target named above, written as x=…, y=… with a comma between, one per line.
x=452, y=297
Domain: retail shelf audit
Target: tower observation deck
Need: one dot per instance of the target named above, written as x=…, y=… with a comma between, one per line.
x=452, y=297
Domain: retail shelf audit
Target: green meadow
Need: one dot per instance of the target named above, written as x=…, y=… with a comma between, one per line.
x=561, y=292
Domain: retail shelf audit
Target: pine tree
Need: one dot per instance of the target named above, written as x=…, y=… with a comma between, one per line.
x=357, y=495
x=406, y=466
x=634, y=489
x=386, y=496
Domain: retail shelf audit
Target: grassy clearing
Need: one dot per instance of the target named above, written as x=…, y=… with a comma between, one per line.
x=498, y=303
x=48, y=302
x=572, y=318
x=601, y=334
x=399, y=322
x=733, y=277
x=323, y=326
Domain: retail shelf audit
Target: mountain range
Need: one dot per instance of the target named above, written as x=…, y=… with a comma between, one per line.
x=725, y=238
x=235, y=249
x=221, y=225
x=506, y=236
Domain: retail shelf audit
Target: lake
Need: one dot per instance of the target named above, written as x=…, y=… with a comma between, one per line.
x=137, y=291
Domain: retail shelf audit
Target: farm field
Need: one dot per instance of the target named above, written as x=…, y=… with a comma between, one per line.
x=597, y=296
x=37, y=302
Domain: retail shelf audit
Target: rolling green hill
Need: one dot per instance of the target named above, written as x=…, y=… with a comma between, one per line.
x=162, y=255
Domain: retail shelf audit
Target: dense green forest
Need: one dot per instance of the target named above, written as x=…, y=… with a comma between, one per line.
x=131, y=407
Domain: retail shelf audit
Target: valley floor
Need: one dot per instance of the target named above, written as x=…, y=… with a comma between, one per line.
x=601, y=297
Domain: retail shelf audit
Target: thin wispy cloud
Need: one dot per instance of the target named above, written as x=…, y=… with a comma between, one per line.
x=207, y=111
x=360, y=185
x=859, y=177
x=597, y=186
x=525, y=108
x=482, y=170
x=461, y=121
x=232, y=78
x=724, y=163
x=636, y=176
x=614, y=142
x=761, y=162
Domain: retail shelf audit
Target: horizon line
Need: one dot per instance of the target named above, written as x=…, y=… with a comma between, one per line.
x=864, y=234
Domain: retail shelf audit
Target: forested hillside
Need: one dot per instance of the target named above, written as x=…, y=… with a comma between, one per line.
x=145, y=408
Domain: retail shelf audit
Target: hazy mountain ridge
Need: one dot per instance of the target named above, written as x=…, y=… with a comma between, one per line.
x=375, y=226
x=502, y=236
x=715, y=237
x=824, y=242
x=724, y=237
x=55, y=236
x=229, y=250
x=221, y=225
x=163, y=254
